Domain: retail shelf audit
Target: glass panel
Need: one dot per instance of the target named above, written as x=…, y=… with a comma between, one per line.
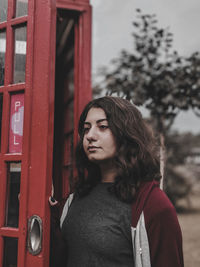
x=2, y=56
x=64, y=101
x=71, y=81
x=20, y=55
x=10, y=252
x=3, y=10
x=68, y=150
x=16, y=123
x=1, y=108
x=69, y=116
x=21, y=8
x=13, y=194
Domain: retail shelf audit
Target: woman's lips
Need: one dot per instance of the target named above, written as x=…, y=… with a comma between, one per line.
x=92, y=148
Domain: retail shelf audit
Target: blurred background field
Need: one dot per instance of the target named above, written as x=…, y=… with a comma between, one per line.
x=184, y=191
x=188, y=209
x=189, y=221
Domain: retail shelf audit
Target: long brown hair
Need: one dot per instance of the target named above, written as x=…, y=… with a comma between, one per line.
x=137, y=159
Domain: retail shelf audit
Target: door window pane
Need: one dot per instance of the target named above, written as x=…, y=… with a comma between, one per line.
x=1, y=108
x=16, y=123
x=10, y=252
x=21, y=8
x=3, y=10
x=2, y=56
x=13, y=194
x=20, y=55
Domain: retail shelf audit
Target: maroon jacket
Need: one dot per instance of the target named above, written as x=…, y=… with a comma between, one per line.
x=155, y=219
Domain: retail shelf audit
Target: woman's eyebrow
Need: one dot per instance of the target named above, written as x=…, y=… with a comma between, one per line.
x=98, y=121
x=102, y=120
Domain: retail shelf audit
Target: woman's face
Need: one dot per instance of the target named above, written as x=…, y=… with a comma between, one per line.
x=98, y=141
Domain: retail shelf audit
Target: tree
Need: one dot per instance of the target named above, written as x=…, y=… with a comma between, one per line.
x=182, y=172
x=155, y=76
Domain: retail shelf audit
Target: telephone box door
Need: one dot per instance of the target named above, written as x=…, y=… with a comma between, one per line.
x=45, y=52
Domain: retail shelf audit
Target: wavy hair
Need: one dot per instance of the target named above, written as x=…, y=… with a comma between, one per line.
x=136, y=160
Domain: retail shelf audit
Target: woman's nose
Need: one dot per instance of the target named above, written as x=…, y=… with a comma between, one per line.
x=91, y=135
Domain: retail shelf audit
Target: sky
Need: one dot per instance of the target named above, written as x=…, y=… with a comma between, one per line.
x=112, y=28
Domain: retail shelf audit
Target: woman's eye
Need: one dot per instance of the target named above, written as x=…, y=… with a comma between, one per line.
x=86, y=130
x=103, y=127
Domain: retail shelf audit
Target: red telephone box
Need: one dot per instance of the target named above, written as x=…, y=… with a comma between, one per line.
x=45, y=80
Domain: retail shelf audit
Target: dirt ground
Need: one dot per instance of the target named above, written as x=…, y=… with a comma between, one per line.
x=190, y=225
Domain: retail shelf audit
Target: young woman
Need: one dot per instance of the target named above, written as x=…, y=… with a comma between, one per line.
x=117, y=215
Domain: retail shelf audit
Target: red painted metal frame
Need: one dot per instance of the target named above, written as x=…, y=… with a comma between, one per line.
x=37, y=150
x=41, y=139
x=5, y=157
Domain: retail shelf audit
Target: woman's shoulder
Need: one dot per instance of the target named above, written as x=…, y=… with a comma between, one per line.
x=150, y=200
x=159, y=207
x=159, y=199
x=152, y=196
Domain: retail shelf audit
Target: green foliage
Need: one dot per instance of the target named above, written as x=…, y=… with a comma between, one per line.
x=155, y=76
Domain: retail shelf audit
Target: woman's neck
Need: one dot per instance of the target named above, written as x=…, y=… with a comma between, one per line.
x=108, y=173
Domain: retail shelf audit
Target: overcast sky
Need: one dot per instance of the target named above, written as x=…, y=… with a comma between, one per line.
x=112, y=28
